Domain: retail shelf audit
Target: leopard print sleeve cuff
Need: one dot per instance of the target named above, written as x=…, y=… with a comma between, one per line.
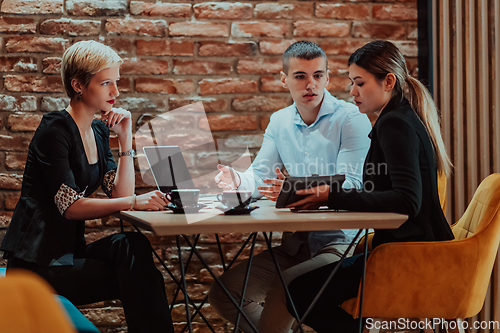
x=108, y=183
x=65, y=197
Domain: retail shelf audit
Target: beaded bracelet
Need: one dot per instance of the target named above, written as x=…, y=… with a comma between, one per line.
x=133, y=203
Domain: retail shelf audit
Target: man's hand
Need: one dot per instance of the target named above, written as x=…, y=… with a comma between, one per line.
x=315, y=198
x=272, y=192
x=227, y=178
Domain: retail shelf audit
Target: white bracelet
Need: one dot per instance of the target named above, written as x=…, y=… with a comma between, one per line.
x=133, y=203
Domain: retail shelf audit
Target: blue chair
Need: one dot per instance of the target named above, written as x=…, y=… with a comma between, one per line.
x=81, y=324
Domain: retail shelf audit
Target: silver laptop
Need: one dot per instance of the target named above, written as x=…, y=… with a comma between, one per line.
x=168, y=168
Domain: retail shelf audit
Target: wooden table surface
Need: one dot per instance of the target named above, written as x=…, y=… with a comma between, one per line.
x=265, y=218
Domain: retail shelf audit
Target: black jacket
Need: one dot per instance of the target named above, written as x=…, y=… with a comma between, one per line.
x=38, y=231
x=399, y=176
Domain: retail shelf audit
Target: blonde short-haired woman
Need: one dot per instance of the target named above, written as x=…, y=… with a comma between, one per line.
x=69, y=158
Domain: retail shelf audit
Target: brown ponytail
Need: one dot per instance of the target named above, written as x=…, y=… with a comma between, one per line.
x=381, y=58
x=422, y=103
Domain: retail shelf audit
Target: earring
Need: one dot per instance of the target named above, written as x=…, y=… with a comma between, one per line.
x=79, y=96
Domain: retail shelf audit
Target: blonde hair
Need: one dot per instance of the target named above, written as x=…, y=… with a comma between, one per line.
x=83, y=60
x=381, y=58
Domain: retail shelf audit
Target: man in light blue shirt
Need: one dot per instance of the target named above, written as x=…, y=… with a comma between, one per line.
x=335, y=143
x=318, y=134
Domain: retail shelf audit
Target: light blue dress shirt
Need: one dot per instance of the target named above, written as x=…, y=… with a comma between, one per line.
x=336, y=143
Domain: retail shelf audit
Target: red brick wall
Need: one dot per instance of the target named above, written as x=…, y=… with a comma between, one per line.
x=226, y=54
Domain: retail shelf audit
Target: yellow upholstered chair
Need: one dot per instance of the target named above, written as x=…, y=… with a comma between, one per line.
x=442, y=182
x=446, y=279
x=27, y=305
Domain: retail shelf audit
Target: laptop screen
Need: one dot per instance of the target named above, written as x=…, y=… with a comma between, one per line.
x=168, y=168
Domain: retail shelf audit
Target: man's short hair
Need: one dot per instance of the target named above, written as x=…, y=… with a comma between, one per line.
x=302, y=50
x=83, y=60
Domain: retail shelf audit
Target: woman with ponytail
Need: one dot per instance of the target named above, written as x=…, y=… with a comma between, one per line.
x=399, y=175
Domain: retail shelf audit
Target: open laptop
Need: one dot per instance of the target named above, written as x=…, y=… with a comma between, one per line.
x=168, y=168
x=170, y=171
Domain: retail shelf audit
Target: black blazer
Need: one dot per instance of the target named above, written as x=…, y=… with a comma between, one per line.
x=399, y=176
x=38, y=231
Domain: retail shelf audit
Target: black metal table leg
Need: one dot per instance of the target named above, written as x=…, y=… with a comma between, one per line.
x=198, y=309
x=178, y=283
x=183, y=279
x=220, y=253
x=280, y=274
x=186, y=267
x=247, y=275
x=327, y=281
x=239, y=307
x=196, y=312
x=363, y=283
x=217, y=280
x=163, y=264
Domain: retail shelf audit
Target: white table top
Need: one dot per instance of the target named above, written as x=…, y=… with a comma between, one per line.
x=266, y=218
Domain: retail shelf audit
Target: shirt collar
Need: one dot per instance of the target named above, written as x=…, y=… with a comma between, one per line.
x=325, y=109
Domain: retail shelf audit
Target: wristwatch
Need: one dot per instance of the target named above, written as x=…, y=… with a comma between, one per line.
x=130, y=153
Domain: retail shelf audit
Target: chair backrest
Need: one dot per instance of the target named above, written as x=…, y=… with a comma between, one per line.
x=481, y=210
x=79, y=321
x=27, y=305
x=442, y=182
x=481, y=224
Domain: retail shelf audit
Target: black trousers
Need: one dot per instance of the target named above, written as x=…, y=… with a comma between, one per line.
x=118, y=266
x=327, y=316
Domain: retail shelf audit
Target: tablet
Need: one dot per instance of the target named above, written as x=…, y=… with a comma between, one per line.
x=318, y=210
x=293, y=184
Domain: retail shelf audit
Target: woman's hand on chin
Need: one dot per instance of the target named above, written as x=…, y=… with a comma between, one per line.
x=118, y=120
